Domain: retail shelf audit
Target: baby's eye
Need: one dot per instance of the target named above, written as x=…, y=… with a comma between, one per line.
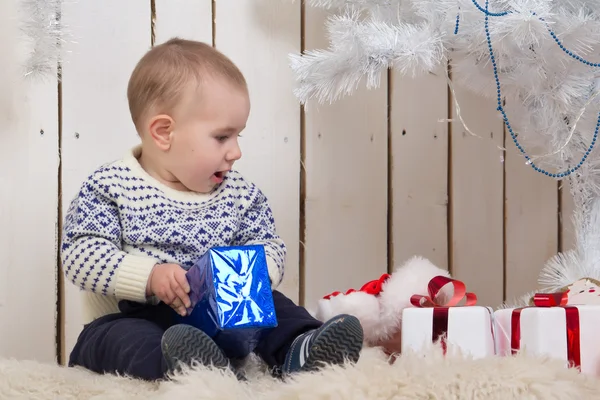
x=222, y=138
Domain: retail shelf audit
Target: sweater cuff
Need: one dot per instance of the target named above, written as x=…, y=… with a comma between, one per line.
x=274, y=273
x=132, y=277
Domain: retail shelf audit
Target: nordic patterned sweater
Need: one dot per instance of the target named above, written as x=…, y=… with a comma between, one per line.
x=123, y=222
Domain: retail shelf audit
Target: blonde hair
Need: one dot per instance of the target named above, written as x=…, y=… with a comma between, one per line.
x=162, y=74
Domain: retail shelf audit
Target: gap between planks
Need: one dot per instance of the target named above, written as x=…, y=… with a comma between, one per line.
x=449, y=191
x=302, y=211
x=60, y=281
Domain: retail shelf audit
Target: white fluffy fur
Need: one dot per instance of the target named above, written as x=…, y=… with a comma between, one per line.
x=407, y=280
x=413, y=376
x=380, y=317
x=362, y=305
x=20, y=380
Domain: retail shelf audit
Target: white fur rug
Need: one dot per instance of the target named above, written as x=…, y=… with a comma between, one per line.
x=424, y=376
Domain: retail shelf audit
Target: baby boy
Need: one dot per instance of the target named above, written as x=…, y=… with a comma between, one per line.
x=137, y=224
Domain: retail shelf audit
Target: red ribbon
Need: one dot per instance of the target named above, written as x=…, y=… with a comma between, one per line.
x=435, y=286
x=439, y=329
x=545, y=300
x=441, y=307
x=550, y=299
x=373, y=287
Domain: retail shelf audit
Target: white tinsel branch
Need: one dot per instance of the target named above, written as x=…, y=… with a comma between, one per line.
x=545, y=89
x=366, y=4
x=31, y=38
x=384, y=10
x=44, y=33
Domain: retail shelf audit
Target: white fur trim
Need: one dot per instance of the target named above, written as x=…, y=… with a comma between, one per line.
x=362, y=305
x=381, y=316
x=407, y=280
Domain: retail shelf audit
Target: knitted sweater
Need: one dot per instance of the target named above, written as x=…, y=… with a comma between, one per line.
x=123, y=222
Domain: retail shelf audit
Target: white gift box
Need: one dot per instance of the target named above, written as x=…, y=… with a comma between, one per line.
x=543, y=332
x=469, y=330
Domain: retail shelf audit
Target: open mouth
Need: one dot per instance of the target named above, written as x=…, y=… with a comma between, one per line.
x=219, y=176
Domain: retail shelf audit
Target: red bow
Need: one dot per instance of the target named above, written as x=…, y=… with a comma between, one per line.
x=440, y=301
x=372, y=287
x=550, y=299
x=435, y=298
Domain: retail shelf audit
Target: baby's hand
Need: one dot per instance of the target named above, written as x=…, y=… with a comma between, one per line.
x=169, y=284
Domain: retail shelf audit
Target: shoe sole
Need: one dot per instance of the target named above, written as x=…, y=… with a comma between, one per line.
x=341, y=341
x=185, y=344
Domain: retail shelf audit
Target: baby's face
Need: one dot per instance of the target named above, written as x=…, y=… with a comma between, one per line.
x=204, y=143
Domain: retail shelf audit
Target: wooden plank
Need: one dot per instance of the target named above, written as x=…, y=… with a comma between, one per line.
x=271, y=141
x=346, y=184
x=567, y=228
x=187, y=19
x=97, y=127
x=531, y=223
x=28, y=217
x=419, y=167
x=477, y=199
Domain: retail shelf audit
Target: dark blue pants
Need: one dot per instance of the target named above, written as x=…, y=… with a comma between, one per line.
x=128, y=343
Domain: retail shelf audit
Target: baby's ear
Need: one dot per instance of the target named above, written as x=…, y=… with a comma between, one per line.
x=161, y=128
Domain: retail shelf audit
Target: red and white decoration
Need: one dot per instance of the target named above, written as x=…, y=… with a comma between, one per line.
x=563, y=326
x=379, y=303
x=465, y=329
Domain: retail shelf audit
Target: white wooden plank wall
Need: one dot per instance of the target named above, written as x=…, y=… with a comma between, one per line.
x=28, y=216
x=346, y=185
x=567, y=235
x=477, y=198
x=189, y=19
x=452, y=199
x=419, y=152
x=97, y=127
x=531, y=222
x=258, y=35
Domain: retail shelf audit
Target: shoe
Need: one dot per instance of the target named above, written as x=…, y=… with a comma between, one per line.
x=336, y=341
x=184, y=344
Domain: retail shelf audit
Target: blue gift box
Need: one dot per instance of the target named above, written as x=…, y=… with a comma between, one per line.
x=231, y=297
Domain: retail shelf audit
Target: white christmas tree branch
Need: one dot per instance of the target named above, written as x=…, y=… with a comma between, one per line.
x=364, y=48
x=364, y=4
x=384, y=10
x=544, y=61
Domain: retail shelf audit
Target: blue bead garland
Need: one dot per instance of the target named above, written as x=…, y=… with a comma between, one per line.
x=457, y=21
x=486, y=12
x=499, y=91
